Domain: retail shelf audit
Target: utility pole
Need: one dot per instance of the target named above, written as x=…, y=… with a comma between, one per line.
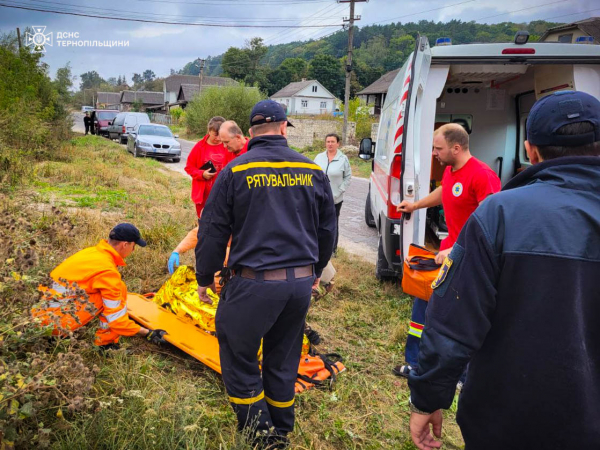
x=201, y=72
x=348, y=70
x=19, y=38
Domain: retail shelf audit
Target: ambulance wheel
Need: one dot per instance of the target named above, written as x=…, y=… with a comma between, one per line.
x=369, y=219
x=176, y=160
x=383, y=272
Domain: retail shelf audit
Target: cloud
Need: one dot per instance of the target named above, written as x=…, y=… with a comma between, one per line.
x=148, y=31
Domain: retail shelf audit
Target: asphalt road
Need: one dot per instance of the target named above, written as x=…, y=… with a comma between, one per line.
x=355, y=236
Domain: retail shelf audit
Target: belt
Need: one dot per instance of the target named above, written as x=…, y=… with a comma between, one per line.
x=277, y=274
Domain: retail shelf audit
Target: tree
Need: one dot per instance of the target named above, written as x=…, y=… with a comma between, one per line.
x=90, y=80
x=137, y=79
x=255, y=50
x=327, y=70
x=234, y=102
x=296, y=67
x=112, y=81
x=136, y=106
x=277, y=79
x=119, y=81
x=148, y=75
x=63, y=83
x=236, y=63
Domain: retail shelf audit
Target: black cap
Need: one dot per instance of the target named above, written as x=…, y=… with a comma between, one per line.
x=127, y=232
x=562, y=108
x=268, y=111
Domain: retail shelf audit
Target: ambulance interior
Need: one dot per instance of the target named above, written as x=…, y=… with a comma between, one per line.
x=492, y=101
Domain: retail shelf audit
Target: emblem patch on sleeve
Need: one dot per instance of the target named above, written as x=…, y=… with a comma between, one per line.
x=443, y=273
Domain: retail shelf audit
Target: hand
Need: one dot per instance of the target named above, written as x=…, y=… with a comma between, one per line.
x=316, y=283
x=157, y=337
x=406, y=207
x=173, y=262
x=203, y=295
x=208, y=175
x=441, y=256
x=420, y=432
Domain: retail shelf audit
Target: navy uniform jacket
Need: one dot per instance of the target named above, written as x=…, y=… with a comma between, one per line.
x=277, y=206
x=521, y=302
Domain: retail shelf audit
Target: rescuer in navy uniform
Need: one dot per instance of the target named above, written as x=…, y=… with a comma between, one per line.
x=277, y=206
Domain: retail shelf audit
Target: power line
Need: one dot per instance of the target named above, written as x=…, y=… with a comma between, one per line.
x=241, y=2
x=422, y=12
x=330, y=10
x=79, y=8
x=519, y=10
x=122, y=19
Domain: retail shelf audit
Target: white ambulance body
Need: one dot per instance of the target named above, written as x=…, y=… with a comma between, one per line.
x=489, y=89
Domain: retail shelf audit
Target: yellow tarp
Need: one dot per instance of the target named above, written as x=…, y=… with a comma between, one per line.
x=180, y=295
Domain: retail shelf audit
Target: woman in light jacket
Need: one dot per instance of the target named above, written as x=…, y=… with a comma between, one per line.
x=337, y=167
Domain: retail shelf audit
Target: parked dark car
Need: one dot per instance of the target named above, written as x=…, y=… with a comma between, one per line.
x=102, y=119
x=125, y=122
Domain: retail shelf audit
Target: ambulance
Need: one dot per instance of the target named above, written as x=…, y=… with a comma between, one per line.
x=487, y=88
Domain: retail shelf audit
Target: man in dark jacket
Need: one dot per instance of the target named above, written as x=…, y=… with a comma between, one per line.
x=518, y=299
x=277, y=206
x=86, y=122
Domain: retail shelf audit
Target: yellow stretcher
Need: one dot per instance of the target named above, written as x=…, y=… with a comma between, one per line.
x=181, y=333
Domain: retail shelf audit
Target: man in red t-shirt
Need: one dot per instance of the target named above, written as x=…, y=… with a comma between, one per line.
x=209, y=148
x=233, y=139
x=465, y=184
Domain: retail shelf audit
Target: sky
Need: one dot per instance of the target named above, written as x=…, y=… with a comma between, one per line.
x=162, y=47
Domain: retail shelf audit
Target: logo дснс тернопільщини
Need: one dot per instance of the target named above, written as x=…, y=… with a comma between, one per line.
x=39, y=39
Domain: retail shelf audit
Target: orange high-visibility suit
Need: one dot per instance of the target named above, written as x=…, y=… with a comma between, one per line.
x=94, y=269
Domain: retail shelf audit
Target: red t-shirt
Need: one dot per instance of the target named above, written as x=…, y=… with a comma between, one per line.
x=201, y=154
x=462, y=192
x=244, y=149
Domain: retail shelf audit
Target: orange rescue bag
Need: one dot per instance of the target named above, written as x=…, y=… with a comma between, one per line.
x=318, y=371
x=420, y=270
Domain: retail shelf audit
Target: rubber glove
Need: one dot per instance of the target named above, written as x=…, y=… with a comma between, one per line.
x=173, y=262
x=157, y=337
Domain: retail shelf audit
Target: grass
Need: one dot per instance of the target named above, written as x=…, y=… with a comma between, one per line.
x=184, y=134
x=147, y=397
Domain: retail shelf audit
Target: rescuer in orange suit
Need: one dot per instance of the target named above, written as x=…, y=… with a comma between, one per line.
x=95, y=270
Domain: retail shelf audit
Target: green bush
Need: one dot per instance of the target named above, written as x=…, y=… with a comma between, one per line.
x=231, y=102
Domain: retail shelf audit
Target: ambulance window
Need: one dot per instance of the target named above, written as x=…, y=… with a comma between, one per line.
x=522, y=135
x=466, y=120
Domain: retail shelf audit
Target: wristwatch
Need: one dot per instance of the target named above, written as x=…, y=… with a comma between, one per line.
x=414, y=409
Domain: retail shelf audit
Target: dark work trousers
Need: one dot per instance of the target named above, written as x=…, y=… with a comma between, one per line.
x=275, y=311
x=417, y=320
x=338, y=207
x=87, y=128
x=413, y=340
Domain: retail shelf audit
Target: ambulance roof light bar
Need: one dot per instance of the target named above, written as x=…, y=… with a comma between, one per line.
x=440, y=42
x=584, y=40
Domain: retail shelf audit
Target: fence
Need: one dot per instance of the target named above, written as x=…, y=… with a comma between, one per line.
x=165, y=119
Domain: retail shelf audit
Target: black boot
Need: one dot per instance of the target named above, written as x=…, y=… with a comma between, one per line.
x=312, y=335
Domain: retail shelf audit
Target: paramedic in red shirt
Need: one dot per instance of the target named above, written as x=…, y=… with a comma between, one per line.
x=465, y=184
x=233, y=139
x=209, y=148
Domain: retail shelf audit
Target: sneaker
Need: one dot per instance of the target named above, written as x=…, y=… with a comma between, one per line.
x=107, y=347
x=402, y=371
